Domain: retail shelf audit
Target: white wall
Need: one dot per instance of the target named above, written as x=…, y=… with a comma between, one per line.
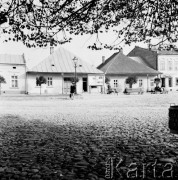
x=79, y=85
x=166, y=73
x=7, y=71
x=122, y=85
x=56, y=88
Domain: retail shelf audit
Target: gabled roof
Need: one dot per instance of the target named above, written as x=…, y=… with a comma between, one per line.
x=119, y=64
x=60, y=61
x=148, y=56
x=12, y=59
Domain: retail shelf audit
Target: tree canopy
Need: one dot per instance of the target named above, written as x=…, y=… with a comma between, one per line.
x=131, y=80
x=37, y=22
x=40, y=80
x=2, y=79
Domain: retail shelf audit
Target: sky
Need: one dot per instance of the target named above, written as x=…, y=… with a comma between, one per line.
x=78, y=46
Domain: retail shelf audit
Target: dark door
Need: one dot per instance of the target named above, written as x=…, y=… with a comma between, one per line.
x=170, y=82
x=163, y=82
x=85, y=85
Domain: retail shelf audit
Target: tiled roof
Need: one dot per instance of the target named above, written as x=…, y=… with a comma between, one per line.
x=119, y=64
x=148, y=56
x=12, y=59
x=60, y=61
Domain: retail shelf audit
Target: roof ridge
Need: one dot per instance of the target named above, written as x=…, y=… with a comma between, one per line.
x=107, y=60
x=151, y=50
x=112, y=61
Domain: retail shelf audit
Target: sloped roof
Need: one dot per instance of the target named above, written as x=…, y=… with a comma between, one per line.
x=138, y=59
x=12, y=59
x=120, y=64
x=60, y=61
x=148, y=56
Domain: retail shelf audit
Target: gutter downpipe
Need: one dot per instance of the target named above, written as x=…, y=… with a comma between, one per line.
x=147, y=82
x=104, y=84
x=26, y=85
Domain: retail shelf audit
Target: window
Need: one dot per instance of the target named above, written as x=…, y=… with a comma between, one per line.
x=14, y=81
x=151, y=82
x=115, y=83
x=176, y=65
x=170, y=65
x=100, y=77
x=176, y=81
x=50, y=81
x=140, y=82
x=162, y=66
x=14, y=67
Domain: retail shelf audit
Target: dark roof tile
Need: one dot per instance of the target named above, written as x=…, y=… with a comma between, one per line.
x=120, y=64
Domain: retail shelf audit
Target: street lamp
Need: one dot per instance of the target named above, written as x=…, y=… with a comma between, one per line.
x=75, y=60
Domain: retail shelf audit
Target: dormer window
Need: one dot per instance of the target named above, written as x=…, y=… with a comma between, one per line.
x=14, y=67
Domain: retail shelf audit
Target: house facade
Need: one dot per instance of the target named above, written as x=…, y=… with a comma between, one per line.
x=168, y=65
x=59, y=71
x=13, y=69
x=119, y=67
x=165, y=62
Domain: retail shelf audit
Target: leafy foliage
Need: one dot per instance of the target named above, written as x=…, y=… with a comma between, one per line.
x=157, y=81
x=37, y=22
x=2, y=79
x=131, y=80
x=40, y=80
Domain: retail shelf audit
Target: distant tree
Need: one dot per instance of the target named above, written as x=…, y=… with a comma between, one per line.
x=2, y=80
x=37, y=22
x=131, y=80
x=39, y=81
x=157, y=81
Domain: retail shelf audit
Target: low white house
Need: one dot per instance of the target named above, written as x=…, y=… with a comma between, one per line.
x=119, y=67
x=13, y=69
x=59, y=70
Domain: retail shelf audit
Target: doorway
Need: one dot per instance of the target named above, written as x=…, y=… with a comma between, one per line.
x=67, y=84
x=170, y=82
x=85, y=85
x=162, y=82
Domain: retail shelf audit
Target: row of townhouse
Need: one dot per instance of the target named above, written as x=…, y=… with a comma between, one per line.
x=58, y=69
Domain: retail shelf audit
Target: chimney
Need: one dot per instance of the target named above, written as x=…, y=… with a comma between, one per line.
x=51, y=49
x=103, y=59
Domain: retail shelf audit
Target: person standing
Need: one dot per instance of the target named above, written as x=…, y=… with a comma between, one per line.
x=72, y=91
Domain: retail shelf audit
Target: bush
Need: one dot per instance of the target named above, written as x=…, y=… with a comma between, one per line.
x=131, y=80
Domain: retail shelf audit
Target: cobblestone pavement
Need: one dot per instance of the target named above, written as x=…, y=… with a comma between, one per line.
x=94, y=137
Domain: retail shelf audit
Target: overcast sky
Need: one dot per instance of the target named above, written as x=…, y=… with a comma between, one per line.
x=78, y=46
